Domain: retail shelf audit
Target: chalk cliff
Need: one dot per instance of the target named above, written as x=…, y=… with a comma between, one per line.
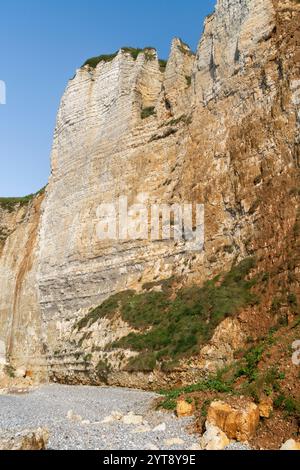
x=220, y=128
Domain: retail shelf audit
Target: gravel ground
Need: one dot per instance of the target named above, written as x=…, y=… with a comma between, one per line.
x=52, y=406
x=238, y=446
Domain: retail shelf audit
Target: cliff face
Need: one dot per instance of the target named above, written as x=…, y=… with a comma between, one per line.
x=220, y=128
x=20, y=320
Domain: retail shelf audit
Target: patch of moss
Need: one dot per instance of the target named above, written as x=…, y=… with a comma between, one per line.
x=162, y=65
x=188, y=80
x=147, y=112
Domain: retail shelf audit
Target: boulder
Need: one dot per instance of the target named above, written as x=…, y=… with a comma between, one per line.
x=160, y=428
x=265, y=407
x=24, y=440
x=108, y=420
x=132, y=419
x=74, y=417
x=291, y=444
x=214, y=438
x=175, y=441
x=184, y=409
x=238, y=420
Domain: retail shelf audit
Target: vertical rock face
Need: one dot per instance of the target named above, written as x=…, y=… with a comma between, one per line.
x=232, y=39
x=104, y=149
x=220, y=127
x=20, y=324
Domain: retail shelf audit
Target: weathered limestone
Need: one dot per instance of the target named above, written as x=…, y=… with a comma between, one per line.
x=238, y=421
x=20, y=321
x=228, y=338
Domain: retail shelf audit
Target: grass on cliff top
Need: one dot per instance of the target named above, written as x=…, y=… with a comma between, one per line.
x=134, y=52
x=10, y=203
x=175, y=325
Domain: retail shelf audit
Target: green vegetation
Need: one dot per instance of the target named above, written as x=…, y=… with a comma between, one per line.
x=172, y=329
x=168, y=404
x=288, y=404
x=105, y=310
x=10, y=203
x=167, y=133
x=87, y=358
x=244, y=377
x=188, y=80
x=94, y=61
x=204, y=408
x=181, y=119
x=297, y=223
x=102, y=370
x=292, y=300
x=250, y=361
x=134, y=52
x=10, y=371
x=212, y=384
x=252, y=375
x=265, y=383
x=147, y=112
x=185, y=49
x=162, y=65
x=175, y=326
x=262, y=383
x=144, y=362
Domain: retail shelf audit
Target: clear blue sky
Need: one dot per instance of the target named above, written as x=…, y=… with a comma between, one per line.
x=42, y=44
